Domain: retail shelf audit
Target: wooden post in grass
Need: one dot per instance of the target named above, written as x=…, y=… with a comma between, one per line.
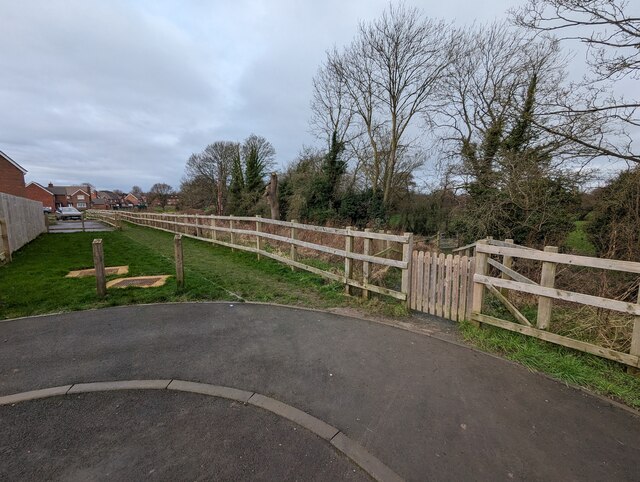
x=46, y=222
x=197, y=225
x=547, y=279
x=98, y=264
x=177, y=244
x=365, y=264
x=635, y=340
x=82, y=220
x=233, y=235
x=482, y=264
x=258, y=237
x=294, y=248
x=407, y=254
x=348, y=262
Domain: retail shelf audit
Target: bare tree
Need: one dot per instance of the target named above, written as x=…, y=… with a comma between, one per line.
x=331, y=108
x=391, y=74
x=137, y=192
x=161, y=192
x=611, y=34
x=214, y=164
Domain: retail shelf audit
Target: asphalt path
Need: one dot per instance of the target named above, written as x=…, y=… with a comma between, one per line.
x=427, y=408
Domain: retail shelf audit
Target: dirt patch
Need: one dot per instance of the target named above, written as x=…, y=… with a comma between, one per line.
x=139, y=282
x=82, y=273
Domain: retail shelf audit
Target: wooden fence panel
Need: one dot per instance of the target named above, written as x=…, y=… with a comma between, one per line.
x=23, y=221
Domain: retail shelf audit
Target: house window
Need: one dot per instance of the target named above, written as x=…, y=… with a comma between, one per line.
x=82, y=205
x=80, y=197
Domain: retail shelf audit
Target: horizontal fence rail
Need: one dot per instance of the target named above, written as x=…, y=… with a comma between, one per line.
x=211, y=229
x=546, y=292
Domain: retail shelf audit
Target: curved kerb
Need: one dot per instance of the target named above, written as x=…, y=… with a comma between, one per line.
x=356, y=452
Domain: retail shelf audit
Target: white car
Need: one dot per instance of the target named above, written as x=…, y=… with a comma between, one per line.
x=68, y=212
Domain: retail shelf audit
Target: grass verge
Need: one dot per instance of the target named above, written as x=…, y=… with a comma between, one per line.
x=582, y=369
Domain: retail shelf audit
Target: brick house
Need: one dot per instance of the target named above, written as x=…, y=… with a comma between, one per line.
x=38, y=192
x=11, y=176
x=107, y=199
x=75, y=196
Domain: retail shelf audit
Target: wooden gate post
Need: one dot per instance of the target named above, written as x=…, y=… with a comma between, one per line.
x=258, y=237
x=407, y=253
x=46, y=222
x=348, y=262
x=547, y=279
x=482, y=263
x=82, y=221
x=98, y=265
x=365, y=264
x=294, y=248
x=177, y=244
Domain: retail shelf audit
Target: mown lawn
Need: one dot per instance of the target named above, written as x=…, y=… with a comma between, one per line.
x=35, y=283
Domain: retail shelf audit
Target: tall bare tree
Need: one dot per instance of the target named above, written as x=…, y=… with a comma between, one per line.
x=389, y=77
x=611, y=34
x=214, y=164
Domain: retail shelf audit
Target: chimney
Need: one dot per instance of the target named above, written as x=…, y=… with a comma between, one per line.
x=50, y=184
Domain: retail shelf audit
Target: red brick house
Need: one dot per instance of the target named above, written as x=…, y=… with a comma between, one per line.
x=76, y=196
x=37, y=192
x=11, y=176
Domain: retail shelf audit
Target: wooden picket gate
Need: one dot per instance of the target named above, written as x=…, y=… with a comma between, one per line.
x=442, y=285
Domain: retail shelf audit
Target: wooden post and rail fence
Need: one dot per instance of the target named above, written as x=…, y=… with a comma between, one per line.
x=451, y=286
x=238, y=229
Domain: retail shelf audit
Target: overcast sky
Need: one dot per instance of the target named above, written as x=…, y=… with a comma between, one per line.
x=121, y=92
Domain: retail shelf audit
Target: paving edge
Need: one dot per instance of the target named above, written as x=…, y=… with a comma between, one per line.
x=353, y=450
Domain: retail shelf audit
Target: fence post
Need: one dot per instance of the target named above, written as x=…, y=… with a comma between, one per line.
x=197, y=225
x=348, y=262
x=233, y=236
x=635, y=339
x=547, y=279
x=507, y=261
x=177, y=244
x=214, y=231
x=46, y=222
x=407, y=253
x=82, y=220
x=258, y=237
x=98, y=264
x=294, y=248
x=365, y=264
x=482, y=263
x=4, y=234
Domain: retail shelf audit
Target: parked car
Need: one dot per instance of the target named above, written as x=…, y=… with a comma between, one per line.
x=68, y=212
x=47, y=210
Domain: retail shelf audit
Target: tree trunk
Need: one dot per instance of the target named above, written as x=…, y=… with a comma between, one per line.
x=272, y=196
